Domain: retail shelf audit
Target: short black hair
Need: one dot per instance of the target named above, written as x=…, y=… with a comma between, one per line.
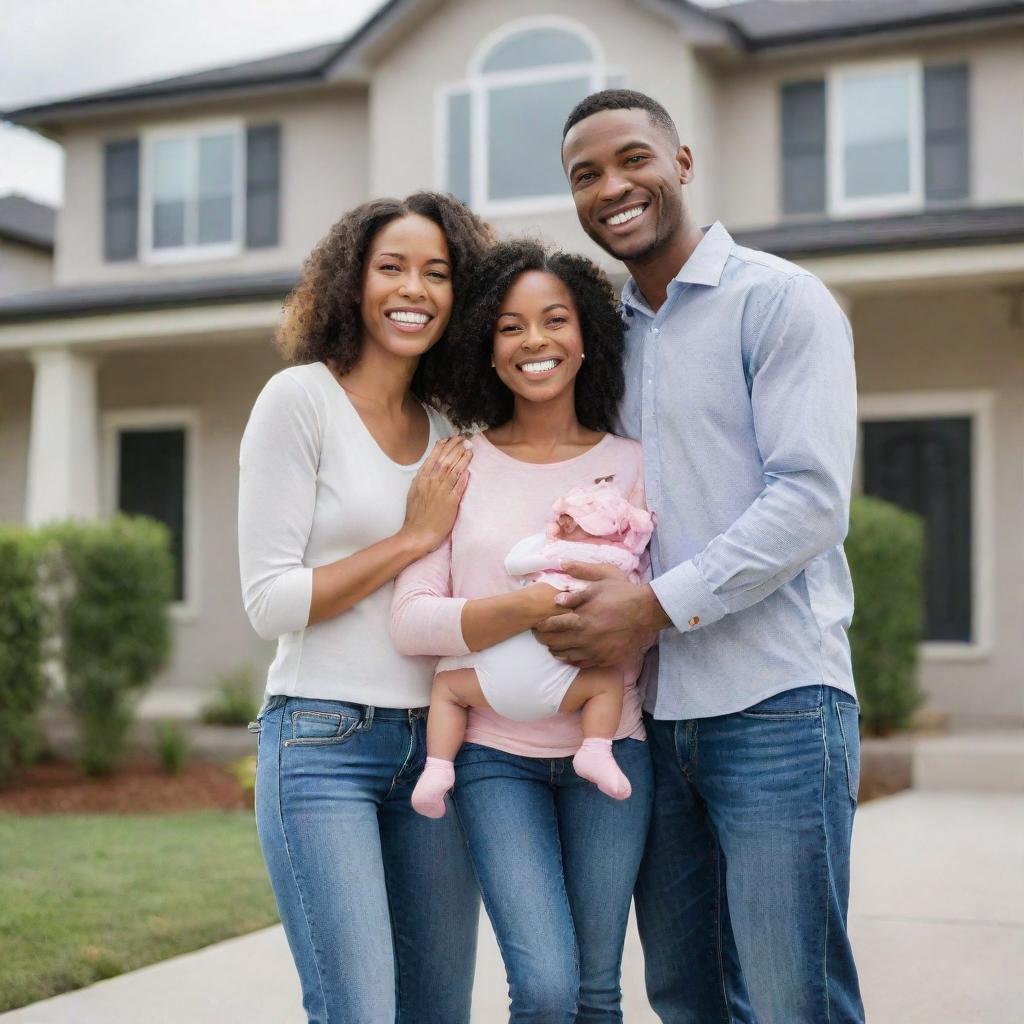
x=622, y=99
x=470, y=391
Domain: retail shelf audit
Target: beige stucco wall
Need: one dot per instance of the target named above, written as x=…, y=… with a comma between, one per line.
x=15, y=413
x=749, y=122
x=649, y=49
x=23, y=268
x=219, y=383
x=959, y=340
x=323, y=172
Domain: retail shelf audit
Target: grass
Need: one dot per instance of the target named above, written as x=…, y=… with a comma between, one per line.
x=83, y=898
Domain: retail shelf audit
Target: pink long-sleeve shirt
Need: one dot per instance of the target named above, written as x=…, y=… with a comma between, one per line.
x=506, y=499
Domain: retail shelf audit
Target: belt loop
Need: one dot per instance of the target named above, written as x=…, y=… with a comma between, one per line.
x=367, y=717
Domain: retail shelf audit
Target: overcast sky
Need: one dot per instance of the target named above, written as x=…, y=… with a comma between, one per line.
x=55, y=48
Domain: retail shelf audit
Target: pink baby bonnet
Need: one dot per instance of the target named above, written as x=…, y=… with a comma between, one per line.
x=603, y=512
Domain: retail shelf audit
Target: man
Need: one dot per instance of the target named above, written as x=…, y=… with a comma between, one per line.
x=740, y=387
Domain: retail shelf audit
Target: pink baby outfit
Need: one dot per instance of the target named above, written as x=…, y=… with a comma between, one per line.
x=507, y=498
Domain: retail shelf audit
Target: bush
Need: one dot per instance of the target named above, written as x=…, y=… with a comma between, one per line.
x=23, y=630
x=885, y=549
x=114, y=581
x=235, y=701
x=172, y=748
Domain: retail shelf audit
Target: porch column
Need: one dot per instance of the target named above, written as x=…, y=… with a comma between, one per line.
x=63, y=451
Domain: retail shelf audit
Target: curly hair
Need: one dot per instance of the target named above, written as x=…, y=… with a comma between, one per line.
x=470, y=391
x=322, y=319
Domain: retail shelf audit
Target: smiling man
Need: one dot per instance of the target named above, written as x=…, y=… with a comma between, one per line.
x=740, y=387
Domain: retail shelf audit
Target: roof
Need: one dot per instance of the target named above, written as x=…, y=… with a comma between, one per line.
x=90, y=300
x=937, y=229
x=754, y=26
x=26, y=221
x=768, y=24
x=934, y=229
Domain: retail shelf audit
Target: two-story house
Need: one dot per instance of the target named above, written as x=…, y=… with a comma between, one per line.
x=879, y=144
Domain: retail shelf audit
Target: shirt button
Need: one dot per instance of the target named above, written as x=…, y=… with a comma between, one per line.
x=695, y=620
x=654, y=330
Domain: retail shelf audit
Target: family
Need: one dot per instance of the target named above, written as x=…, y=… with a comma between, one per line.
x=619, y=526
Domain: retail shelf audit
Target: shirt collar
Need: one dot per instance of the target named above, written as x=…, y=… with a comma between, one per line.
x=705, y=265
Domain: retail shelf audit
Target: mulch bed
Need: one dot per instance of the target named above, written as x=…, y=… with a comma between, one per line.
x=138, y=786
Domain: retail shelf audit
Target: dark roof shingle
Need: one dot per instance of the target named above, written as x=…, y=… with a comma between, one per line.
x=26, y=221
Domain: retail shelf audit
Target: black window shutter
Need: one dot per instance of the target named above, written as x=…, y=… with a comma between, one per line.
x=803, y=147
x=121, y=199
x=947, y=131
x=262, y=185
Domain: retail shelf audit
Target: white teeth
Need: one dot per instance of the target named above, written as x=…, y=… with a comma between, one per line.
x=627, y=215
x=547, y=364
x=408, y=318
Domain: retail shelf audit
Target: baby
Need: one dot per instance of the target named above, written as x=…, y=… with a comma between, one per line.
x=519, y=678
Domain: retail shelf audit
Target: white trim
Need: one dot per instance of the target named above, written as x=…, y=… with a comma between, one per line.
x=478, y=85
x=978, y=405
x=528, y=24
x=156, y=417
x=839, y=205
x=149, y=137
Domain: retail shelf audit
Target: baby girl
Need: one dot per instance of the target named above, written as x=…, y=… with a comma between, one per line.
x=519, y=678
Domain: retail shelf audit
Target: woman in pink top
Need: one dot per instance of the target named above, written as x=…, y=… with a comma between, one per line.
x=539, y=365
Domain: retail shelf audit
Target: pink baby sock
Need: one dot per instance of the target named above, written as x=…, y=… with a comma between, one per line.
x=437, y=778
x=594, y=761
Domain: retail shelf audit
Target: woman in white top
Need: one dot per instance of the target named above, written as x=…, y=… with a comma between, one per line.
x=347, y=478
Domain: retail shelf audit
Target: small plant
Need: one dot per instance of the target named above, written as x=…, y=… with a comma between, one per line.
x=114, y=580
x=23, y=627
x=235, y=700
x=172, y=748
x=885, y=548
x=245, y=771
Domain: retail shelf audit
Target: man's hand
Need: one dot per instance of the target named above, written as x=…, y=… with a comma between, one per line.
x=611, y=621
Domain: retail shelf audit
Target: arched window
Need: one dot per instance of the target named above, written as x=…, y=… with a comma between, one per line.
x=502, y=126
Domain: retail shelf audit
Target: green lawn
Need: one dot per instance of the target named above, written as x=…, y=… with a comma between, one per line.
x=87, y=897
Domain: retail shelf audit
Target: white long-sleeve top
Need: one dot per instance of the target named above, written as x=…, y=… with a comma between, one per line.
x=315, y=487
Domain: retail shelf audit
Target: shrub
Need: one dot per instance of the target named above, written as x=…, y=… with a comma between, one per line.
x=885, y=549
x=23, y=629
x=172, y=748
x=114, y=580
x=235, y=701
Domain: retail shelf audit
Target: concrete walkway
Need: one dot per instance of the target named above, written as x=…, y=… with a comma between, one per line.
x=937, y=919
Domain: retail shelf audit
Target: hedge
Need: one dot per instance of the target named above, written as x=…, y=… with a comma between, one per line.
x=114, y=582
x=885, y=549
x=23, y=631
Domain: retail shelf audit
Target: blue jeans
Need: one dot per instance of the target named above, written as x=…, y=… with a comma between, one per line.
x=557, y=861
x=379, y=904
x=742, y=896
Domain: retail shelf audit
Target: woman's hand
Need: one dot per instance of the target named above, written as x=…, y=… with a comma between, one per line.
x=433, y=500
x=540, y=602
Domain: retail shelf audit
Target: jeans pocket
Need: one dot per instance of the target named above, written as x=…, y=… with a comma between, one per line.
x=799, y=702
x=321, y=728
x=849, y=729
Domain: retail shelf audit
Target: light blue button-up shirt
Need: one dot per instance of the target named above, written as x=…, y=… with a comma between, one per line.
x=742, y=393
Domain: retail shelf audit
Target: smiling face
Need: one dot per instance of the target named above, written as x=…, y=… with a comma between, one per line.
x=407, y=286
x=626, y=176
x=538, y=345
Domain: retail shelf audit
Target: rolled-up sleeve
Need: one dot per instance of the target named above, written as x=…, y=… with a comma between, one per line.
x=803, y=398
x=278, y=464
x=425, y=618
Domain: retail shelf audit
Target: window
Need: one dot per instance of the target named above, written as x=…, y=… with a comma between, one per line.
x=193, y=192
x=150, y=457
x=501, y=129
x=931, y=453
x=876, y=139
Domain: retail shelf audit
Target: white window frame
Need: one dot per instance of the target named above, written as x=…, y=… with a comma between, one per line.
x=478, y=83
x=191, y=253
x=161, y=418
x=978, y=407
x=838, y=204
